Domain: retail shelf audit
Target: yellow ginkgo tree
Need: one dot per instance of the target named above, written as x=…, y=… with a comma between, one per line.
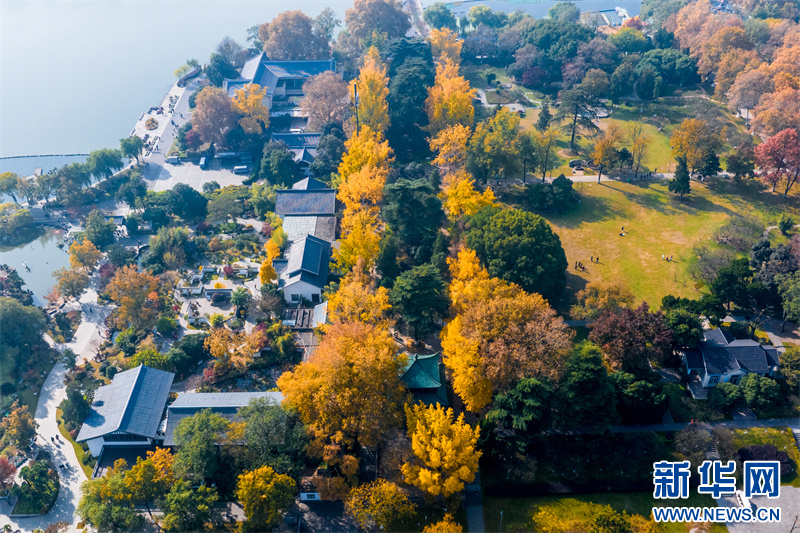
x=445, y=453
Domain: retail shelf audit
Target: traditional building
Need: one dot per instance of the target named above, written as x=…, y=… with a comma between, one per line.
x=128, y=411
x=722, y=358
x=225, y=404
x=304, y=272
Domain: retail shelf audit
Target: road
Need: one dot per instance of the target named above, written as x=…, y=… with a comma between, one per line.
x=84, y=344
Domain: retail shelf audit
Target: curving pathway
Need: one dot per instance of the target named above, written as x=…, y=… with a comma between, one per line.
x=84, y=344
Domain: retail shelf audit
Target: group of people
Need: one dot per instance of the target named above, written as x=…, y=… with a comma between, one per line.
x=593, y=259
x=665, y=257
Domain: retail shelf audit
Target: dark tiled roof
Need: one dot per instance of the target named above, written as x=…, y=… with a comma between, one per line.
x=267, y=73
x=694, y=359
x=298, y=140
x=308, y=184
x=307, y=260
x=747, y=355
x=316, y=202
x=225, y=404
x=132, y=403
x=718, y=335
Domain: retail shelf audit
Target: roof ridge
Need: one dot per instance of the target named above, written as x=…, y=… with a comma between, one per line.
x=136, y=384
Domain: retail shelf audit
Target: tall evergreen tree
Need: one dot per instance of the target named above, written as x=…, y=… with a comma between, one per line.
x=681, y=184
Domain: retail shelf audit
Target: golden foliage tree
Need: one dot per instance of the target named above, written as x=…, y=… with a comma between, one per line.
x=237, y=348
x=372, y=86
x=367, y=148
x=84, y=255
x=499, y=335
x=604, y=154
x=249, y=102
x=461, y=198
x=598, y=297
x=361, y=236
x=349, y=387
x=445, y=44
x=445, y=525
x=18, y=425
x=264, y=494
x=450, y=147
x=363, y=187
x=379, y=504
x=449, y=101
x=692, y=139
x=134, y=292
x=71, y=282
x=445, y=454
x=359, y=300
x=266, y=273
x=151, y=478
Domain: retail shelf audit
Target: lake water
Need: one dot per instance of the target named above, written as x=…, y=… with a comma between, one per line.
x=43, y=257
x=76, y=75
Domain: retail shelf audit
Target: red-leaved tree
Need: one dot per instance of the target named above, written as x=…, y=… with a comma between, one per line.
x=779, y=159
x=7, y=472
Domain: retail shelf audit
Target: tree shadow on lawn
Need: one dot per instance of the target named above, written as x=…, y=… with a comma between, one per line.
x=751, y=195
x=575, y=284
x=591, y=209
x=669, y=204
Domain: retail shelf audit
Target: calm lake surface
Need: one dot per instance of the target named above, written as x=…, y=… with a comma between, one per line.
x=76, y=75
x=43, y=257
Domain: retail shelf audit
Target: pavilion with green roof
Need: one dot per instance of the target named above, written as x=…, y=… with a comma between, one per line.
x=424, y=377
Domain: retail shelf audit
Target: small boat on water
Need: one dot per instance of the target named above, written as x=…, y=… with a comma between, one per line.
x=60, y=244
x=26, y=265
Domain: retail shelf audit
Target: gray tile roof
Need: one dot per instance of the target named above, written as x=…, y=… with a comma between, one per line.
x=694, y=359
x=314, y=202
x=225, y=404
x=718, y=335
x=298, y=139
x=307, y=260
x=309, y=184
x=746, y=354
x=132, y=403
x=267, y=73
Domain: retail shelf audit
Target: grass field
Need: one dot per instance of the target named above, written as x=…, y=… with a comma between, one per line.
x=78, y=450
x=656, y=222
x=518, y=512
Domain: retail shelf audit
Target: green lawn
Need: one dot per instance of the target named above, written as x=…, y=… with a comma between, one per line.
x=518, y=512
x=656, y=222
x=78, y=450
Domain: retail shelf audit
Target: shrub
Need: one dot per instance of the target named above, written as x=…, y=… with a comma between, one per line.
x=767, y=452
x=111, y=371
x=216, y=319
x=760, y=392
x=785, y=223
x=151, y=123
x=724, y=396
x=217, y=298
x=227, y=270
x=166, y=325
x=7, y=388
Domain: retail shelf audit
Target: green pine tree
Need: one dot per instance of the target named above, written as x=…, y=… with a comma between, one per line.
x=544, y=117
x=681, y=184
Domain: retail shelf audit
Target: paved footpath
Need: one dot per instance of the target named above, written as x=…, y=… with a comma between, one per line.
x=84, y=344
x=180, y=115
